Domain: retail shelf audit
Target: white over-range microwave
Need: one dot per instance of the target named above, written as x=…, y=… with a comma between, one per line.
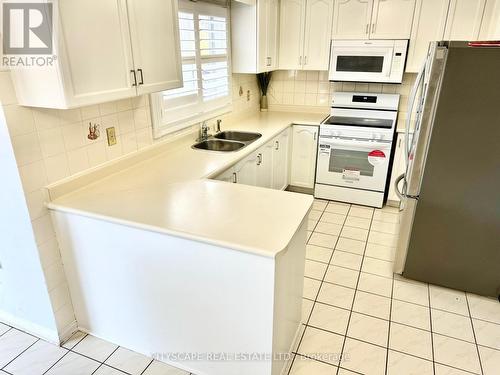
x=380, y=61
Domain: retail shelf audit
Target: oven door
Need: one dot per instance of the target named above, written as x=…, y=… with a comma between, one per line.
x=356, y=163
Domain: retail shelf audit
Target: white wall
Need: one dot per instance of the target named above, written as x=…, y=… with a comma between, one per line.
x=52, y=144
x=24, y=298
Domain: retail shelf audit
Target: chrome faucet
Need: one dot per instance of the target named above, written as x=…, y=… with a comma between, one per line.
x=203, y=136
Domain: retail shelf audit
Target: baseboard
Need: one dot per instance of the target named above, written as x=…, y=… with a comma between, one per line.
x=393, y=203
x=68, y=331
x=296, y=340
x=302, y=190
x=29, y=327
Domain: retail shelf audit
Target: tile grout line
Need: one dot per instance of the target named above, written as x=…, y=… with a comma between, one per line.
x=398, y=323
x=65, y=354
x=355, y=291
x=474, y=333
x=320, y=286
x=432, y=332
x=389, y=328
x=314, y=301
x=17, y=356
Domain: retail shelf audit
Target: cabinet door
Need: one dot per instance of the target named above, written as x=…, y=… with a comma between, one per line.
x=391, y=19
x=265, y=166
x=262, y=35
x=273, y=8
x=226, y=176
x=96, y=65
x=154, y=26
x=304, y=147
x=281, y=160
x=351, y=19
x=428, y=25
x=292, y=20
x=490, y=26
x=464, y=19
x=246, y=170
x=317, y=36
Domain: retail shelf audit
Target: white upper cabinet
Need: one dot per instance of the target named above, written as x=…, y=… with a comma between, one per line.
x=372, y=19
x=352, y=19
x=273, y=22
x=155, y=44
x=464, y=19
x=292, y=23
x=305, y=29
x=391, y=19
x=97, y=59
x=317, y=36
x=490, y=27
x=428, y=25
x=255, y=33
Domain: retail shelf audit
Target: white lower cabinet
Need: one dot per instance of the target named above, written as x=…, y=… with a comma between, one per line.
x=281, y=160
x=304, y=150
x=266, y=167
x=246, y=170
x=228, y=175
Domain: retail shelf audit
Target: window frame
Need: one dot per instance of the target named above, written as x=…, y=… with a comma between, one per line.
x=161, y=126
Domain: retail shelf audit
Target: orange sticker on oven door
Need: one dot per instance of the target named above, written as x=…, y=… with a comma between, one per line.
x=376, y=157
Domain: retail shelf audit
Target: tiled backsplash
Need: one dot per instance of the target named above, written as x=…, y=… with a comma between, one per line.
x=52, y=144
x=305, y=89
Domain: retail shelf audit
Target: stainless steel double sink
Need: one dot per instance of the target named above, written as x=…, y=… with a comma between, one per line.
x=227, y=141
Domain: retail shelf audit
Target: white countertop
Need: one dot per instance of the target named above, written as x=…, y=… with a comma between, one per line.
x=169, y=193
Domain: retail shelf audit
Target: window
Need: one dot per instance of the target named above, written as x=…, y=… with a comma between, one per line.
x=204, y=35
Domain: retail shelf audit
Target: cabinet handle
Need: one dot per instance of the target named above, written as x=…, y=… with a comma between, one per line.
x=373, y=27
x=314, y=137
x=259, y=159
x=399, y=143
x=235, y=178
x=305, y=60
x=142, y=77
x=277, y=143
x=135, y=78
x=367, y=28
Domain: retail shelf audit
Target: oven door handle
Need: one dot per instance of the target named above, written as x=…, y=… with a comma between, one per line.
x=354, y=143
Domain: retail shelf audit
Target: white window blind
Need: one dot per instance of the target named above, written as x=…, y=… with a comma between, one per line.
x=204, y=38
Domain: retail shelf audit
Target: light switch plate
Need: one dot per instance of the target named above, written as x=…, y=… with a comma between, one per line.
x=110, y=132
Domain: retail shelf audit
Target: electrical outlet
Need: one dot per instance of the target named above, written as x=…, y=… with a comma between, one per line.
x=110, y=132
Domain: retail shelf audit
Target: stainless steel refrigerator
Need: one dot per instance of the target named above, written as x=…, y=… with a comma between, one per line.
x=450, y=219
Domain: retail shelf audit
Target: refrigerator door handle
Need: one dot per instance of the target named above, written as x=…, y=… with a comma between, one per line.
x=400, y=194
x=411, y=103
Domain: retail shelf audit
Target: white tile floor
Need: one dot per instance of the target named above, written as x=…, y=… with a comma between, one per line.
x=358, y=318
